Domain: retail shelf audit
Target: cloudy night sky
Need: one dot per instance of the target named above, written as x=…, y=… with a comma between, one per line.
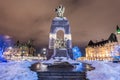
x=31, y=19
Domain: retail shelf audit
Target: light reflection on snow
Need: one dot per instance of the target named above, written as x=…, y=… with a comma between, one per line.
x=79, y=67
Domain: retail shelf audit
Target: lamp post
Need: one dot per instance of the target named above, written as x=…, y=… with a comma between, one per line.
x=44, y=53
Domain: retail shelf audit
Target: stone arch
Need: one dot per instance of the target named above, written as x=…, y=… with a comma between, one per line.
x=60, y=24
x=60, y=34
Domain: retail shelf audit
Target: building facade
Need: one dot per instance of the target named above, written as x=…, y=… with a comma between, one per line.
x=102, y=50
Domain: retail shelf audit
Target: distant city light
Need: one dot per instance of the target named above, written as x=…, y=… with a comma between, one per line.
x=44, y=49
x=7, y=37
x=9, y=47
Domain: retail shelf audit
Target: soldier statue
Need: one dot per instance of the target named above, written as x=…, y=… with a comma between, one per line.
x=60, y=43
x=60, y=11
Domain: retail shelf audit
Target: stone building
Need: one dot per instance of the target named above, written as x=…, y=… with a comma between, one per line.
x=21, y=49
x=102, y=50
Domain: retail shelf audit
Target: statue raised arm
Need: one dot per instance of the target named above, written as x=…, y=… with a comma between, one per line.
x=60, y=11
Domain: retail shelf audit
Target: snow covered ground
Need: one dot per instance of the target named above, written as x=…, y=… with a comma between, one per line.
x=104, y=71
x=17, y=70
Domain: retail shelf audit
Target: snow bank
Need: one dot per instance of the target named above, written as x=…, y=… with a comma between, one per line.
x=14, y=70
x=104, y=71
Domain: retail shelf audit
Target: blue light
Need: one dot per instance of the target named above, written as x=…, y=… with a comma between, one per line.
x=4, y=43
x=76, y=52
x=1, y=51
x=2, y=59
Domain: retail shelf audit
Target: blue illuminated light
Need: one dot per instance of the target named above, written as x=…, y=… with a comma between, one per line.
x=4, y=43
x=76, y=52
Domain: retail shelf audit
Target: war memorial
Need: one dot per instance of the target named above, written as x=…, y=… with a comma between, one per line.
x=58, y=53
x=60, y=66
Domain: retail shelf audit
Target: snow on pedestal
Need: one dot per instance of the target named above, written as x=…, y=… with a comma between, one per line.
x=59, y=18
x=60, y=59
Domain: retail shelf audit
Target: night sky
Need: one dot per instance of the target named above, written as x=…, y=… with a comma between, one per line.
x=31, y=19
